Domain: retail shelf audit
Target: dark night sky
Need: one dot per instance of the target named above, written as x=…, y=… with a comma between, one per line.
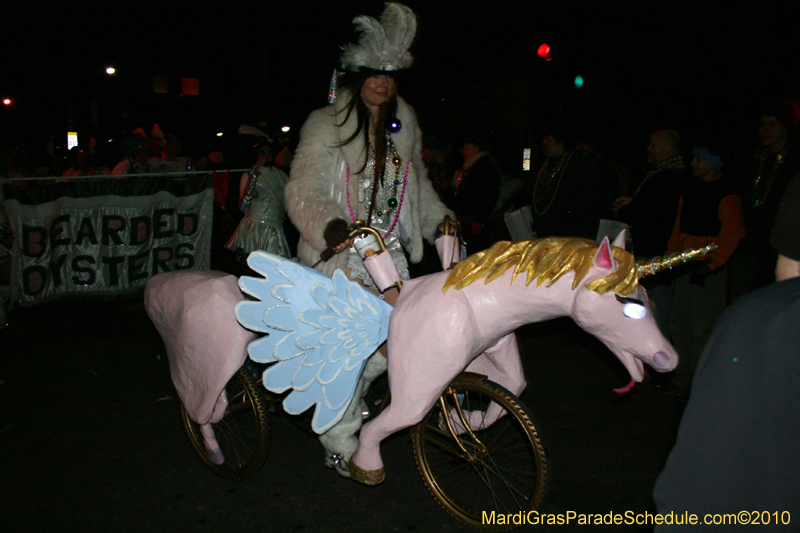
x=704, y=67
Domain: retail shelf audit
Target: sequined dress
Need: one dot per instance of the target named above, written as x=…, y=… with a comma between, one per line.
x=262, y=225
x=387, y=209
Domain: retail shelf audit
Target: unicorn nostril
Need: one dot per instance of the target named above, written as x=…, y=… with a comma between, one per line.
x=661, y=360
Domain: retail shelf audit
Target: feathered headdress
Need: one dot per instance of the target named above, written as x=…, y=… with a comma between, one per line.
x=250, y=130
x=383, y=44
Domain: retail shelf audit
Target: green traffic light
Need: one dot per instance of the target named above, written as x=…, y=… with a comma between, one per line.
x=578, y=81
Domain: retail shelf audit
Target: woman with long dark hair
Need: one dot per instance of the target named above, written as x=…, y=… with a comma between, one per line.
x=360, y=158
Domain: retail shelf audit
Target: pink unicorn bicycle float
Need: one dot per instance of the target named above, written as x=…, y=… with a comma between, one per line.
x=453, y=366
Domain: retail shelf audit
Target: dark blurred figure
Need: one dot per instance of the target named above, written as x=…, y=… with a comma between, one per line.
x=6, y=245
x=226, y=213
x=136, y=148
x=737, y=443
x=709, y=212
x=12, y=165
x=551, y=188
x=651, y=210
x=602, y=179
x=435, y=157
x=283, y=159
x=84, y=163
x=762, y=184
x=473, y=192
x=165, y=151
x=565, y=199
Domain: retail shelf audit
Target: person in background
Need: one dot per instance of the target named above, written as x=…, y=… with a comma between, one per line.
x=568, y=194
x=137, y=155
x=554, y=185
x=651, y=210
x=261, y=199
x=709, y=212
x=283, y=160
x=474, y=191
x=736, y=449
x=602, y=179
x=85, y=164
x=761, y=187
x=435, y=157
x=166, y=152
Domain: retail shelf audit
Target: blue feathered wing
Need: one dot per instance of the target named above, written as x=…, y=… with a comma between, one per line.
x=320, y=332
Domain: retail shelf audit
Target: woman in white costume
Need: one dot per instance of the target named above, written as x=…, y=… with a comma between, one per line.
x=360, y=158
x=261, y=199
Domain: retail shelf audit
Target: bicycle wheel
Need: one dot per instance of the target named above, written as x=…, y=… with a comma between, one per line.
x=242, y=434
x=488, y=470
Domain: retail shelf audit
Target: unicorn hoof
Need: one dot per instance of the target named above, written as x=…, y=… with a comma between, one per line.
x=215, y=457
x=366, y=477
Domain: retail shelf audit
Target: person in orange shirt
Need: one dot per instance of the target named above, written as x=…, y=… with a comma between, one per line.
x=709, y=212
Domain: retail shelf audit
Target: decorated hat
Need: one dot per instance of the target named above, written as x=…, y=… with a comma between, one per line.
x=383, y=45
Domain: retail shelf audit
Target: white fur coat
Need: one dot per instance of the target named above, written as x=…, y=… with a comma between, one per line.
x=316, y=193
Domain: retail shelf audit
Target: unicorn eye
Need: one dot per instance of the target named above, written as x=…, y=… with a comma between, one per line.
x=631, y=307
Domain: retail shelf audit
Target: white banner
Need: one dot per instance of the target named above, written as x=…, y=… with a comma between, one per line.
x=107, y=244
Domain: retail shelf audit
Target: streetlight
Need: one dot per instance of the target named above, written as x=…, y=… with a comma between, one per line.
x=285, y=129
x=102, y=95
x=6, y=101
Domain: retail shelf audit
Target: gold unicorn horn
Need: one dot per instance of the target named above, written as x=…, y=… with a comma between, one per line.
x=657, y=264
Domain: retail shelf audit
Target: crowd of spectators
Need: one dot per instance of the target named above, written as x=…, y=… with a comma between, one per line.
x=691, y=195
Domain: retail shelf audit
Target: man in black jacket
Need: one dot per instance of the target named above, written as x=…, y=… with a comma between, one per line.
x=651, y=212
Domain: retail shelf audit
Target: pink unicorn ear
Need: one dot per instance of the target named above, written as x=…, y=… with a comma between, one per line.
x=603, y=258
x=619, y=240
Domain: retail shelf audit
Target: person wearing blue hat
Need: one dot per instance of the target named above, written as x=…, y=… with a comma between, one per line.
x=709, y=212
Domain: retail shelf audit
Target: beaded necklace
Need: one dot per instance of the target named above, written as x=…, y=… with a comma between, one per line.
x=392, y=202
x=673, y=163
x=546, y=179
x=759, y=199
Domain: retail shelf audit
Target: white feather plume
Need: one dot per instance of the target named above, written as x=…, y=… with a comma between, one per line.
x=400, y=25
x=250, y=130
x=383, y=44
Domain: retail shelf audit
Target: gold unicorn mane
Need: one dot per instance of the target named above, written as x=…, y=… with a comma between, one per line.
x=549, y=258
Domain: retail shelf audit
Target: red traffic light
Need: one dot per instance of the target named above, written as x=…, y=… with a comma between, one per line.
x=544, y=50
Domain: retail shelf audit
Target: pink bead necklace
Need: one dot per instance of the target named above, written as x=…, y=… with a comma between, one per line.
x=399, y=204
